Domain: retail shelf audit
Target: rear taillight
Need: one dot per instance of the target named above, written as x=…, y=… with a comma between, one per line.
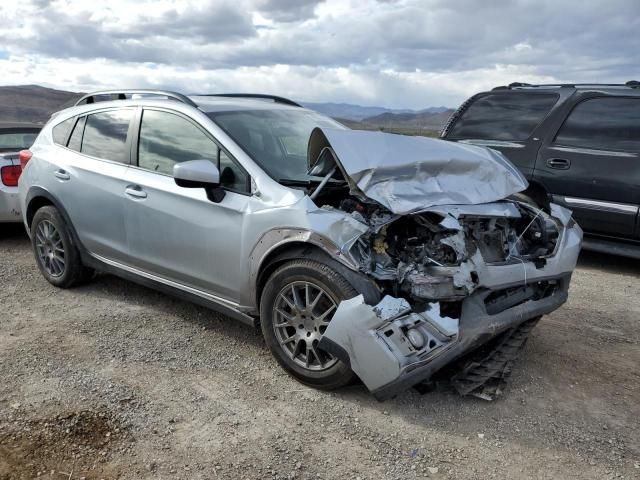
x=24, y=156
x=10, y=175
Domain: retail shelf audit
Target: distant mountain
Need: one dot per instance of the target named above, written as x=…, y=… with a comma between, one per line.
x=32, y=103
x=349, y=111
x=421, y=120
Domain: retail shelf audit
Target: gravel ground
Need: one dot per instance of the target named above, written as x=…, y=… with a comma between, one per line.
x=113, y=380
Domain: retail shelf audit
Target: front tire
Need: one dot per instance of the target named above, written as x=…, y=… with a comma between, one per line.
x=296, y=305
x=56, y=255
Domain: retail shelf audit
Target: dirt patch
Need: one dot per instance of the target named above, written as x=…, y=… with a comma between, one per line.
x=76, y=444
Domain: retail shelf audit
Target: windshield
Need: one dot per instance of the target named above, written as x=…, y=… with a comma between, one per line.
x=276, y=140
x=17, y=140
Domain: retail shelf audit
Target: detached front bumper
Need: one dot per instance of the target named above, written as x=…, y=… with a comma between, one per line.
x=392, y=348
x=476, y=328
x=379, y=350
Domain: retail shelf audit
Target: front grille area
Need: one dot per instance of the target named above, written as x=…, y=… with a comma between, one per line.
x=501, y=300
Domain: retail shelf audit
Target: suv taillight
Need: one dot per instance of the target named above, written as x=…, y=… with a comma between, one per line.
x=24, y=156
x=10, y=175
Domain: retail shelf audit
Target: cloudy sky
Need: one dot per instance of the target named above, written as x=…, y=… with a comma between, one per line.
x=405, y=53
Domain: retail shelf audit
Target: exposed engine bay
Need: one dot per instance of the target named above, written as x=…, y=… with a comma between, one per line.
x=429, y=256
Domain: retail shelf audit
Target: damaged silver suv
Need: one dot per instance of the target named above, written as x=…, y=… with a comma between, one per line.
x=388, y=257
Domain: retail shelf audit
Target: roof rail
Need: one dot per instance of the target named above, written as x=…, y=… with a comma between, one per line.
x=122, y=95
x=261, y=96
x=629, y=84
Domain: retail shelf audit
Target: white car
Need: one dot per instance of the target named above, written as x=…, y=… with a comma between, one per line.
x=13, y=138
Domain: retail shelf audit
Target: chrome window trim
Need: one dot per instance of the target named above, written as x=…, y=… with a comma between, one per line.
x=615, y=207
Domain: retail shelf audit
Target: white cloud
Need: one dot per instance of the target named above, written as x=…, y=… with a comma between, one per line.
x=406, y=53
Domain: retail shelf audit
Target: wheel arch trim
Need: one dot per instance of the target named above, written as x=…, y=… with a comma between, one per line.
x=39, y=192
x=276, y=240
x=279, y=245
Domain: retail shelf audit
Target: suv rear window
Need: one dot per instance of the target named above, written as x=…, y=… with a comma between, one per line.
x=603, y=124
x=105, y=135
x=503, y=116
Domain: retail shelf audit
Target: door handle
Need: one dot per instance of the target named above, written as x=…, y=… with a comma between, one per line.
x=558, y=163
x=135, y=191
x=62, y=174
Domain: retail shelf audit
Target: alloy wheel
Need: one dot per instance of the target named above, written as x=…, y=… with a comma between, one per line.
x=50, y=249
x=301, y=314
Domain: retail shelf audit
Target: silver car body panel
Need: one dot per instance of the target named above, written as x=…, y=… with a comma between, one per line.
x=406, y=174
x=93, y=194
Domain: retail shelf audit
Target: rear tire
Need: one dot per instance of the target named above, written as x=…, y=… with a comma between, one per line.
x=297, y=303
x=57, y=256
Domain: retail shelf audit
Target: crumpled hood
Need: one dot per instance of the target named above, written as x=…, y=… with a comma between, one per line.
x=407, y=174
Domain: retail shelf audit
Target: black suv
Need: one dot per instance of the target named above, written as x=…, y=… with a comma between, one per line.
x=578, y=145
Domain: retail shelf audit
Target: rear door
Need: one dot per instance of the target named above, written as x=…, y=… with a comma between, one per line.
x=592, y=163
x=506, y=121
x=178, y=233
x=89, y=178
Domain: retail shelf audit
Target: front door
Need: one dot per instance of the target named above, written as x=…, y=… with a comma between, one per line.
x=593, y=164
x=178, y=233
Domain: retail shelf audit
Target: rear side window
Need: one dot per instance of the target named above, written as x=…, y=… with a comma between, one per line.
x=75, y=141
x=606, y=123
x=61, y=131
x=105, y=135
x=504, y=116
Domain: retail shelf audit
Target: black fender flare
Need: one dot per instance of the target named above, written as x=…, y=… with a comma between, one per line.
x=363, y=284
x=38, y=192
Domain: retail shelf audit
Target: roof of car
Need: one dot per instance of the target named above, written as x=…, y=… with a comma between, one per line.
x=205, y=102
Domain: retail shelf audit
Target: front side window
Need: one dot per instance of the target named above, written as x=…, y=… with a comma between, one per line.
x=167, y=139
x=105, y=135
x=503, y=116
x=606, y=123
